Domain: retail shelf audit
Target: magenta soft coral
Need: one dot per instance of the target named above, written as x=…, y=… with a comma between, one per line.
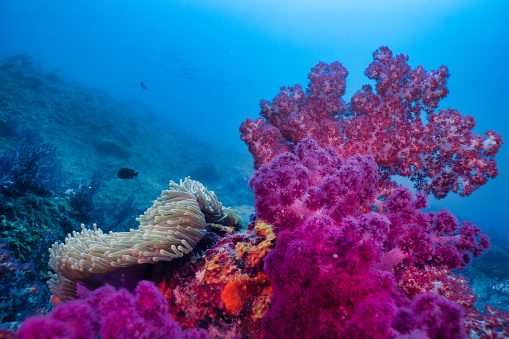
x=312, y=181
x=339, y=251
x=439, y=156
x=108, y=313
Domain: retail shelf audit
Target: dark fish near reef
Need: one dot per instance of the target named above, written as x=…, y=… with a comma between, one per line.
x=142, y=85
x=127, y=173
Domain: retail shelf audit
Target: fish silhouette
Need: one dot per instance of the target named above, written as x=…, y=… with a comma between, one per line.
x=127, y=173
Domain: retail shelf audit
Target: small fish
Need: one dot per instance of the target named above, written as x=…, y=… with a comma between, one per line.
x=143, y=86
x=127, y=173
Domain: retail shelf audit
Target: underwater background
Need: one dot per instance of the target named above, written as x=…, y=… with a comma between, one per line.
x=161, y=87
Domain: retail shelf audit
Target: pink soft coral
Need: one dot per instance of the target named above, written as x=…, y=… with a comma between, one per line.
x=440, y=155
x=110, y=314
x=340, y=252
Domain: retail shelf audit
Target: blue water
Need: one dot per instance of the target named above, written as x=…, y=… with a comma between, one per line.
x=208, y=63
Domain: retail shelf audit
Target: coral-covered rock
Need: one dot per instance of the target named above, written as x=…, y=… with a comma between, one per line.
x=242, y=293
x=21, y=295
x=224, y=291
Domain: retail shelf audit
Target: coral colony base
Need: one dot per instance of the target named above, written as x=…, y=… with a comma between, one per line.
x=337, y=249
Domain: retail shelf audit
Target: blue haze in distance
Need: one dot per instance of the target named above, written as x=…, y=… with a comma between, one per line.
x=208, y=63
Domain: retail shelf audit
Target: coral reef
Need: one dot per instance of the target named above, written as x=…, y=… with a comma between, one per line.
x=336, y=248
x=36, y=215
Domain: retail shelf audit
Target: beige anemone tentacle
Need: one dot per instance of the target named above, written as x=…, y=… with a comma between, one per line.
x=169, y=229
